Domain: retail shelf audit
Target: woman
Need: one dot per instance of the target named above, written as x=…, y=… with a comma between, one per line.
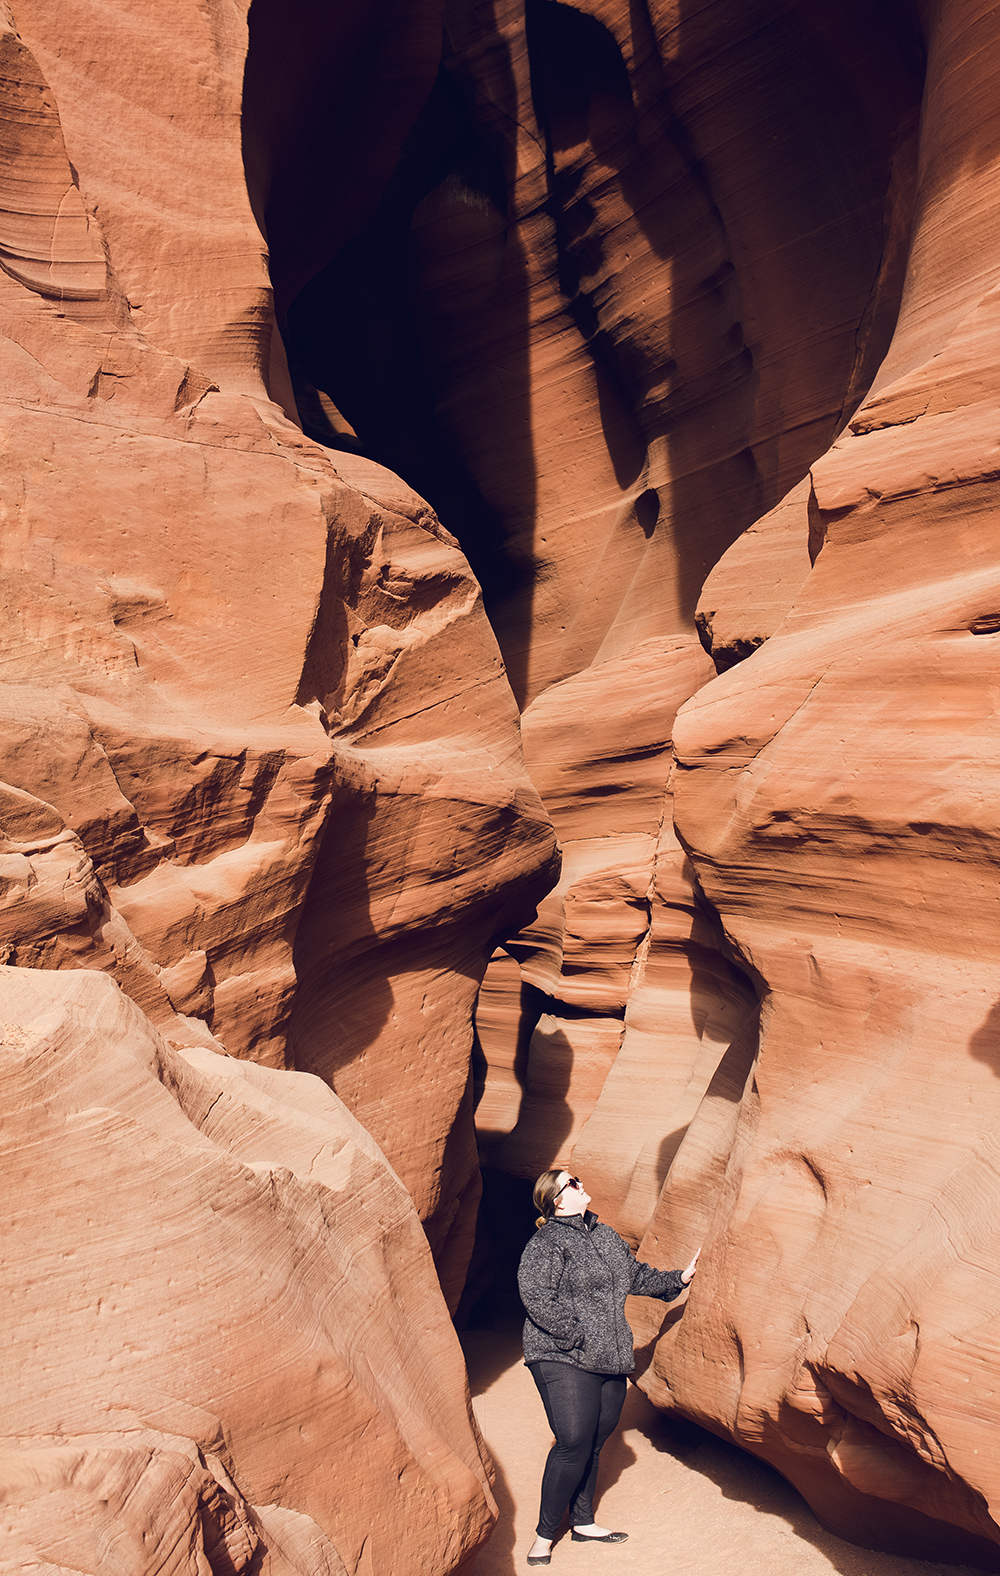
x=574, y=1277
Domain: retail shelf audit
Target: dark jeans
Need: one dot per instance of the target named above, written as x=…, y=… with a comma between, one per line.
x=583, y=1411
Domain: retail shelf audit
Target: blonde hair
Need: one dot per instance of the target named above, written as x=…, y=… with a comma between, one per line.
x=544, y=1196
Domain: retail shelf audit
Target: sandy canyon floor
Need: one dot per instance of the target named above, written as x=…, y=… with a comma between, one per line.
x=690, y=1502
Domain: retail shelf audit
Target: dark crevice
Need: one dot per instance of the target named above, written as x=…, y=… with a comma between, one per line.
x=352, y=337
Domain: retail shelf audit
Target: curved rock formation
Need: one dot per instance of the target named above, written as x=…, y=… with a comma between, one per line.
x=185, y=578
x=831, y=790
x=607, y=286
x=256, y=744
x=654, y=262
x=604, y=336
x=231, y=1342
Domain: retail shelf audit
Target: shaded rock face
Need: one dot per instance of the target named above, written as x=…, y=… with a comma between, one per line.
x=215, y=640
x=625, y=284
x=830, y=791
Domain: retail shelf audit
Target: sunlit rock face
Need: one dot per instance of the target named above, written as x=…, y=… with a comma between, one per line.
x=261, y=768
x=622, y=289
x=216, y=640
x=677, y=321
x=231, y=1352
x=833, y=792
x=640, y=273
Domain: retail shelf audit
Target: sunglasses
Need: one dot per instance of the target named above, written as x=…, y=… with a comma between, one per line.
x=573, y=1182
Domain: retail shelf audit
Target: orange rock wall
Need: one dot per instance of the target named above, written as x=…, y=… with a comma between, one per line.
x=832, y=791
x=608, y=287
x=633, y=350
x=651, y=339
x=185, y=580
x=635, y=359
x=231, y=1352
x=261, y=768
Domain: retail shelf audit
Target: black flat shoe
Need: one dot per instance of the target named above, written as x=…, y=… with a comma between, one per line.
x=539, y=1559
x=609, y=1537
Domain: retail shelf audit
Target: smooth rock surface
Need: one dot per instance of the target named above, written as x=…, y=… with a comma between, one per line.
x=832, y=788
x=697, y=283
x=612, y=286
x=604, y=334
x=224, y=1331
x=216, y=635
x=256, y=745
x=634, y=991
x=832, y=793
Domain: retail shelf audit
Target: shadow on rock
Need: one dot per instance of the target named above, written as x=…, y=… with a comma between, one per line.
x=489, y=1353
x=744, y=1479
x=985, y=1043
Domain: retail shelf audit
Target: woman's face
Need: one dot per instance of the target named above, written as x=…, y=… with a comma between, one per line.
x=574, y=1198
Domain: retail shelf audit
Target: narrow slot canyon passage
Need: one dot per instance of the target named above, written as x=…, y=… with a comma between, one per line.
x=501, y=599
x=618, y=292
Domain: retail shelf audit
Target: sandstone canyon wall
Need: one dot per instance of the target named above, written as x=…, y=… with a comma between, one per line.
x=834, y=792
x=261, y=768
x=642, y=269
x=605, y=333
x=228, y=1352
x=680, y=317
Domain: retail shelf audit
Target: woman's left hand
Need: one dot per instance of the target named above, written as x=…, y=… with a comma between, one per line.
x=687, y=1273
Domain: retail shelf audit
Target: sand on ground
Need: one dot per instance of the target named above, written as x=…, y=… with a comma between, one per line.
x=692, y=1504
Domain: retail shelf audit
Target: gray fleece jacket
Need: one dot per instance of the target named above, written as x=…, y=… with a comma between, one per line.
x=574, y=1277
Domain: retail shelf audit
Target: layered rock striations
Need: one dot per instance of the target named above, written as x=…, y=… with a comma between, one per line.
x=262, y=770
x=231, y=1352
x=833, y=793
x=681, y=318
x=653, y=266
x=643, y=287
x=214, y=637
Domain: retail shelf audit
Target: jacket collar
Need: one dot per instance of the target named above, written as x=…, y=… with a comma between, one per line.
x=582, y=1222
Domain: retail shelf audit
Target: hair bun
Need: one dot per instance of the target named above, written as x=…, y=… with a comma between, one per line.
x=540, y=1222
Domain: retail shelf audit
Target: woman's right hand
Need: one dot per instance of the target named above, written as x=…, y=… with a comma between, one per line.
x=687, y=1273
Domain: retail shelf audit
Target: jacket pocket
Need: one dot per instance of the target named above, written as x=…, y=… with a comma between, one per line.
x=574, y=1340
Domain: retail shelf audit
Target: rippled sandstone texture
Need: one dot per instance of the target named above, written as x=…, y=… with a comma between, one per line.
x=216, y=640
x=654, y=258
x=606, y=288
x=261, y=767
x=231, y=1351
x=836, y=794
x=633, y=267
